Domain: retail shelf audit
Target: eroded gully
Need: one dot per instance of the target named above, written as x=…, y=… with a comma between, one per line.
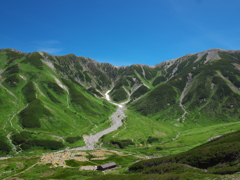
x=116, y=119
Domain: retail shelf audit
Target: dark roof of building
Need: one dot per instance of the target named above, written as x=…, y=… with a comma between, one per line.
x=108, y=165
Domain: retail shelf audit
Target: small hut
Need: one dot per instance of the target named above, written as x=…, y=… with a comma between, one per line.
x=107, y=166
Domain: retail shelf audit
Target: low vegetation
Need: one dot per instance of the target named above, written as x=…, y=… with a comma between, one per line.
x=175, y=108
x=221, y=152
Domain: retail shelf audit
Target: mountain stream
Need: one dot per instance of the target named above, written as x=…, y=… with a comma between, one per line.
x=116, y=119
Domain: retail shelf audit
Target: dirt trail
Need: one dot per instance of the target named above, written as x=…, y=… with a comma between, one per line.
x=116, y=119
x=20, y=172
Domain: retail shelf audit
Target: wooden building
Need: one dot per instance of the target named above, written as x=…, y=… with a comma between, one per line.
x=107, y=166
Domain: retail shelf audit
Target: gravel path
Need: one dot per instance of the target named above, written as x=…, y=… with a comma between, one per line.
x=116, y=119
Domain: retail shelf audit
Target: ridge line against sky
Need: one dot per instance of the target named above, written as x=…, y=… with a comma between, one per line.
x=120, y=32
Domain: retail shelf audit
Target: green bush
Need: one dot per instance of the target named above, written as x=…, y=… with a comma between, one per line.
x=171, y=168
x=11, y=70
x=72, y=139
x=12, y=80
x=55, y=87
x=21, y=137
x=139, y=92
x=12, y=56
x=4, y=147
x=53, y=98
x=76, y=96
x=35, y=60
x=44, y=143
x=160, y=98
x=159, y=148
x=225, y=170
x=158, y=80
x=119, y=95
x=122, y=143
x=152, y=139
x=29, y=117
x=150, y=73
x=29, y=92
x=93, y=91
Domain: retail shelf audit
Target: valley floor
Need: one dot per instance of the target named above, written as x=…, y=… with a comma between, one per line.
x=24, y=167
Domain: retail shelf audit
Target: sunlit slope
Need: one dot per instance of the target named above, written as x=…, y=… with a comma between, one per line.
x=63, y=96
x=196, y=89
x=35, y=99
x=219, y=156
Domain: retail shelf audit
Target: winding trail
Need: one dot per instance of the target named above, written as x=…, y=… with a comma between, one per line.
x=21, y=172
x=116, y=119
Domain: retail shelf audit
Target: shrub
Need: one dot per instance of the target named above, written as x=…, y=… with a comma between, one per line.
x=35, y=60
x=44, y=143
x=21, y=137
x=93, y=91
x=29, y=92
x=11, y=70
x=139, y=92
x=158, y=80
x=55, y=87
x=29, y=117
x=152, y=139
x=53, y=98
x=73, y=139
x=122, y=143
x=158, y=99
x=12, y=81
x=4, y=147
x=159, y=148
x=170, y=168
x=119, y=95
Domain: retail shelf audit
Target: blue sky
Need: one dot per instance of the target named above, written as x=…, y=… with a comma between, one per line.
x=120, y=32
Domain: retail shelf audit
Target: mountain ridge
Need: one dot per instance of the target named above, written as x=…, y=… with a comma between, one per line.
x=57, y=95
x=71, y=54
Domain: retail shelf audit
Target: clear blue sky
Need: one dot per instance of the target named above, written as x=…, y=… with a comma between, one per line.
x=120, y=32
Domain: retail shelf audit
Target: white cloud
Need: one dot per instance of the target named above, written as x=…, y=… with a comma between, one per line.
x=50, y=50
x=49, y=46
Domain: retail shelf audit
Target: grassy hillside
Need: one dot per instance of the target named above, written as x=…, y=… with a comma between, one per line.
x=219, y=156
x=48, y=103
x=36, y=100
x=217, y=159
x=208, y=92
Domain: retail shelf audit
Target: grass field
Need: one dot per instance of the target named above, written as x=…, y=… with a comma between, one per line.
x=170, y=138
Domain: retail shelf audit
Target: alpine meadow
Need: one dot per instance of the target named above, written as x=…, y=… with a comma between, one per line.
x=64, y=117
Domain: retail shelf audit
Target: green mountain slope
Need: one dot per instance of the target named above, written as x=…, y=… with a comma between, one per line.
x=219, y=156
x=36, y=100
x=211, y=160
x=196, y=88
x=52, y=102
x=62, y=97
